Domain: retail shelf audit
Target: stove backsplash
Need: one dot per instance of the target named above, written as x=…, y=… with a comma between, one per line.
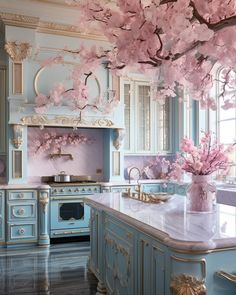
x=87, y=157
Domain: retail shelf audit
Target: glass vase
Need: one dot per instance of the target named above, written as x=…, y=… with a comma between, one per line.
x=201, y=194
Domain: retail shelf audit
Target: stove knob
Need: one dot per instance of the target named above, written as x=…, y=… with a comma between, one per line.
x=89, y=189
x=83, y=190
x=54, y=191
x=76, y=190
x=70, y=190
x=62, y=190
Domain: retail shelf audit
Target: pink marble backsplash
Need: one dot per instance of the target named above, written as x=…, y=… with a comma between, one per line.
x=87, y=158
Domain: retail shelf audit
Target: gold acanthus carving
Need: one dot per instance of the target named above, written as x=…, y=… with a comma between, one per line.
x=76, y=121
x=18, y=51
x=184, y=284
x=46, y=27
x=44, y=200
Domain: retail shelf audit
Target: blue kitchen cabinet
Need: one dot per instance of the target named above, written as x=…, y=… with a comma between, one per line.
x=152, y=188
x=96, y=240
x=128, y=261
x=119, y=260
x=2, y=217
x=151, y=266
x=21, y=217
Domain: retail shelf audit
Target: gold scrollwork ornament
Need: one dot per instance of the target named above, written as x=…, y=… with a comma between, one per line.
x=187, y=285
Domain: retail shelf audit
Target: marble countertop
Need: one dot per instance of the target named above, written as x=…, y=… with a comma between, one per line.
x=24, y=186
x=170, y=222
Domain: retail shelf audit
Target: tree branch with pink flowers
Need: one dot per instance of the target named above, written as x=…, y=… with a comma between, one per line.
x=177, y=41
x=78, y=94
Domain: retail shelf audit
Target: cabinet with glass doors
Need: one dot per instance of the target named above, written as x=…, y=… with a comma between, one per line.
x=147, y=122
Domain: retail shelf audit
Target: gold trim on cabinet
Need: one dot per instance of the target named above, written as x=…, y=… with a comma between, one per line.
x=14, y=174
x=17, y=78
x=188, y=260
x=66, y=121
x=226, y=275
x=184, y=284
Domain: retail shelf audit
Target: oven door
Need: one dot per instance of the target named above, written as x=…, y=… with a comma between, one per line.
x=68, y=212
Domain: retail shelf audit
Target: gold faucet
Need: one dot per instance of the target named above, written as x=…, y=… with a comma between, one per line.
x=133, y=168
x=138, y=191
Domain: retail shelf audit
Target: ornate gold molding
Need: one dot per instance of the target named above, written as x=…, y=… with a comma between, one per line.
x=17, y=51
x=19, y=20
x=184, y=284
x=41, y=120
x=17, y=139
x=54, y=28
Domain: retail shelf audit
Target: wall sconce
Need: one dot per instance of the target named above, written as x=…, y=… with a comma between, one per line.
x=119, y=135
x=17, y=135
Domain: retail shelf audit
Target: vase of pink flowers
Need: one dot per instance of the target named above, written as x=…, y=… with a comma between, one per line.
x=201, y=161
x=201, y=194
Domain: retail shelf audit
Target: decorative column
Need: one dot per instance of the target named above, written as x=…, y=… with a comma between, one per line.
x=43, y=201
x=17, y=51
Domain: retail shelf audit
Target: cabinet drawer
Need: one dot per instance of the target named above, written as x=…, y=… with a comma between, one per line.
x=21, y=231
x=21, y=211
x=22, y=195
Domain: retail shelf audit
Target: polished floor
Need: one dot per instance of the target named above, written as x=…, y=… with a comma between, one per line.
x=61, y=269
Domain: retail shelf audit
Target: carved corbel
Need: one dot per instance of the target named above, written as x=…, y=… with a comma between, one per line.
x=44, y=200
x=18, y=51
x=17, y=139
x=184, y=284
x=119, y=135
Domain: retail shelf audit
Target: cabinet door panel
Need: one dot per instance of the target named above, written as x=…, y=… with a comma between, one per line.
x=158, y=271
x=144, y=118
x=21, y=211
x=119, y=273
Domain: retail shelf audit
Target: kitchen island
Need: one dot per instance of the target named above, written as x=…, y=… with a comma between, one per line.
x=139, y=248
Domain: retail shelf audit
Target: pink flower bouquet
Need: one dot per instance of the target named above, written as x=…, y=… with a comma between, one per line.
x=204, y=159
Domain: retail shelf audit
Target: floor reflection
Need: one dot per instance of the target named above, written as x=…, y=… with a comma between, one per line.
x=61, y=269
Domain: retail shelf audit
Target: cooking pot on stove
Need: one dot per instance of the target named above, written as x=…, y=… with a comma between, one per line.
x=62, y=177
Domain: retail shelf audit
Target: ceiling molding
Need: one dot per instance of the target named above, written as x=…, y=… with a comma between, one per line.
x=18, y=20
x=55, y=2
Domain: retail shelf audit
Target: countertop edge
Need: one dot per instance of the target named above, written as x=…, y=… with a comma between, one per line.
x=183, y=245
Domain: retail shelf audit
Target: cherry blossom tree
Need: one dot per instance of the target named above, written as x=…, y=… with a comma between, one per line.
x=178, y=42
x=78, y=94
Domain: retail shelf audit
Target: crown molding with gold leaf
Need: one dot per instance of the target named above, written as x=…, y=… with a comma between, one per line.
x=31, y=22
x=66, y=121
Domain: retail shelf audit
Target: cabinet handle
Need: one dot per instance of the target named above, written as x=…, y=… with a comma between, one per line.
x=226, y=275
x=21, y=211
x=21, y=231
